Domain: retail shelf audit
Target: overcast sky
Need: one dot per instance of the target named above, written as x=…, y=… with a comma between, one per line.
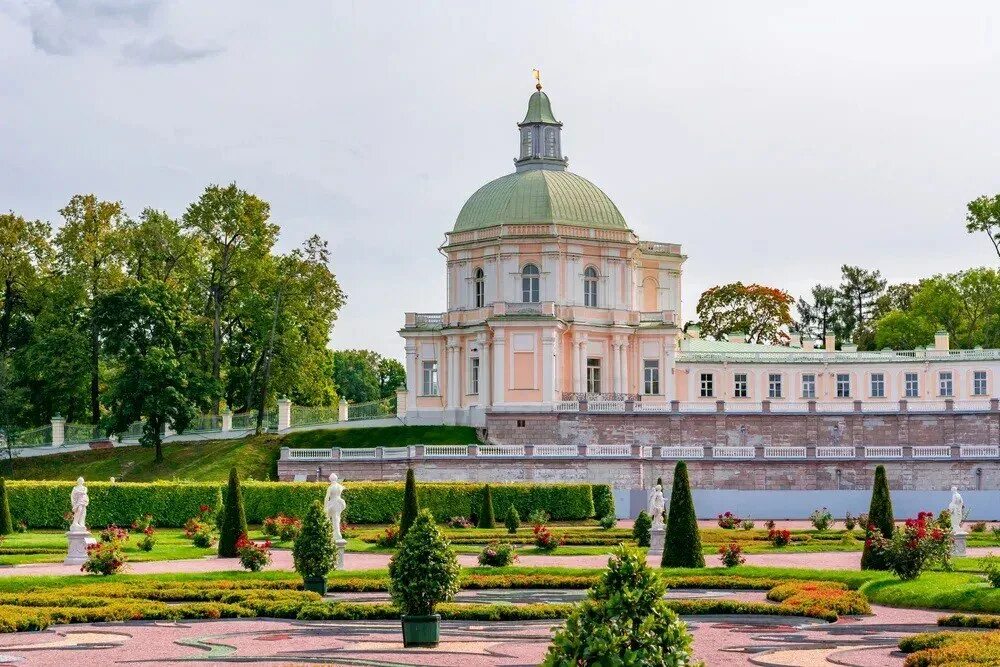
x=774, y=141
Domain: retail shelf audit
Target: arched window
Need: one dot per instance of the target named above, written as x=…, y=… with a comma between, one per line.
x=550, y=142
x=479, y=289
x=529, y=284
x=526, y=142
x=590, y=287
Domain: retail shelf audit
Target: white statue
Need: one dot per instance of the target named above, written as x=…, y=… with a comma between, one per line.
x=79, y=500
x=656, y=505
x=335, y=505
x=957, y=510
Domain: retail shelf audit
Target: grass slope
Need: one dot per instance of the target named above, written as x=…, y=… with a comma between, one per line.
x=255, y=457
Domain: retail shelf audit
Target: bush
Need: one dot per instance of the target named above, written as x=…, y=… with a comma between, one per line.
x=6, y=524
x=497, y=554
x=424, y=572
x=389, y=538
x=512, y=520
x=732, y=554
x=849, y=521
x=604, y=499
x=253, y=556
x=879, y=518
x=624, y=620
x=913, y=547
x=114, y=534
x=978, y=527
x=234, y=521
x=769, y=524
x=148, y=539
x=313, y=552
x=821, y=519
x=747, y=524
x=779, y=538
x=958, y=649
x=105, y=557
x=544, y=538
x=641, y=529
x=459, y=522
x=990, y=565
x=486, y=518
x=728, y=521
x=203, y=538
x=538, y=516
x=411, y=505
x=682, y=541
x=608, y=521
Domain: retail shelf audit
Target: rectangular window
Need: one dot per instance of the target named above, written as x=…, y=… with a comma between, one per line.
x=878, y=385
x=808, y=385
x=911, y=387
x=474, y=375
x=945, y=384
x=707, y=389
x=740, y=385
x=843, y=385
x=979, y=383
x=774, y=385
x=593, y=376
x=430, y=384
x=651, y=376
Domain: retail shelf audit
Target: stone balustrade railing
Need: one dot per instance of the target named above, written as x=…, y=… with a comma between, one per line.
x=672, y=452
x=845, y=406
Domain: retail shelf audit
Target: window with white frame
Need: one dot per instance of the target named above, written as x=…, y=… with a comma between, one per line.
x=911, y=385
x=843, y=385
x=550, y=142
x=526, y=142
x=979, y=383
x=430, y=377
x=808, y=385
x=593, y=376
x=651, y=376
x=878, y=385
x=739, y=385
x=774, y=385
x=479, y=289
x=590, y=287
x=946, y=384
x=529, y=284
x=707, y=385
x=474, y=375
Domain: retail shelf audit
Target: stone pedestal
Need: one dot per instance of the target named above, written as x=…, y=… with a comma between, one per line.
x=958, y=547
x=340, y=545
x=79, y=540
x=656, y=537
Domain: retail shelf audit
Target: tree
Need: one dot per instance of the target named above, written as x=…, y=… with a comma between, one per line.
x=682, y=540
x=819, y=317
x=859, y=291
x=89, y=247
x=512, y=520
x=391, y=376
x=410, y=505
x=984, y=216
x=355, y=374
x=880, y=519
x=234, y=521
x=756, y=310
x=313, y=552
x=642, y=528
x=625, y=620
x=903, y=331
x=486, y=517
x=143, y=327
x=424, y=571
x=6, y=524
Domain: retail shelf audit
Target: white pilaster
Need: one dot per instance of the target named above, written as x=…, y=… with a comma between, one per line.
x=548, y=366
x=625, y=358
x=412, y=375
x=499, y=360
x=574, y=351
x=582, y=353
x=485, y=359
x=58, y=430
x=284, y=414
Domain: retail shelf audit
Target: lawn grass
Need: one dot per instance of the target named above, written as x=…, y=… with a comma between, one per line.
x=255, y=457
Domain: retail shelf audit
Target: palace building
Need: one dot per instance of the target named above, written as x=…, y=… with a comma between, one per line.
x=555, y=305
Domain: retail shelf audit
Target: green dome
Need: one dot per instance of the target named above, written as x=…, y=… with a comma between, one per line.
x=539, y=196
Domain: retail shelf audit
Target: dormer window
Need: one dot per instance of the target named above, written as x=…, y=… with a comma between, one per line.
x=479, y=289
x=590, y=287
x=529, y=284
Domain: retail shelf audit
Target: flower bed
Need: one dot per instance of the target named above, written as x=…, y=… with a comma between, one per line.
x=942, y=649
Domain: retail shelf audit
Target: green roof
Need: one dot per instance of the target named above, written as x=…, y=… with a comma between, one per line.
x=539, y=196
x=539, y=110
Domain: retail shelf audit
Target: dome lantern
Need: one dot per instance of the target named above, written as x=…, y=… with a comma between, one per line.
x=540, y=135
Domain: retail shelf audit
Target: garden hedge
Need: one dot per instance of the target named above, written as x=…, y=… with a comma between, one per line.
x=44, y=504
x=604, y=500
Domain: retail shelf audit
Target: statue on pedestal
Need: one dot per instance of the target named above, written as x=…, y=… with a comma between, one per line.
x=335, y=505
x=656, y=505
x=957, y=510
x=79, y=500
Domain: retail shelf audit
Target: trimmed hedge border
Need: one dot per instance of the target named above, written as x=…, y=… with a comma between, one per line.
x=44, y=504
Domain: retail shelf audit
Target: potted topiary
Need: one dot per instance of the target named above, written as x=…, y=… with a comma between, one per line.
x=312, y=551
x=422, y=573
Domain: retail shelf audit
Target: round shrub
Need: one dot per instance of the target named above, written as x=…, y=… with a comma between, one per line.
x=424, y=571
x=641, y=529
x=512, y=520
x=497, y=554
x=313, y=552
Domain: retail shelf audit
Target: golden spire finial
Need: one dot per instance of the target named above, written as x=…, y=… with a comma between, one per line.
x=538, y=78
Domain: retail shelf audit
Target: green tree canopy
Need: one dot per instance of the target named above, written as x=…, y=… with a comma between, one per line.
x=756, y=310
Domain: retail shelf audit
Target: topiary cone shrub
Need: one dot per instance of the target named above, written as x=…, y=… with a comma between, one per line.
x=624, y=620
x=512, y=520
x=313, y=552
x=234, y=521
x=682, y=542
x=422, y=573
x=410, y=505
x=6, y=524
x=486, y=518
x=879, y=518
x=641, y=529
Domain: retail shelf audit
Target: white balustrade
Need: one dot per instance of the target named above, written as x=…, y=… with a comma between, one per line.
x=781, y=452
x=789, y=406
x=646, y=452
x=567, y=406
x=310, y=454
x=979, y=451
x=606, y=406
x=352, y=453
x=879, y=406
x=932, y=452
x=609, y=450
x=925, y=406
x=972, y=406
x=556, y=450
x=651, y=407
x=397, y=452
x=697, y=406
x=725, y=452
x=440, y=451
x=501, y=450
x=839, y=452
x=884, y=452
x=835, y=406
x=744, y=406
x=683, y=452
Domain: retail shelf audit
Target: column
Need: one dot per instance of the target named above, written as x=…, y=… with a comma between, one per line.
x=625, y=358
x=616, y=353
x=575, y=353
x=548, y=366
x=583, y=366
x=227, y=420
x=343, y=410
x=454, y=354
x=58, y=430
x=485, y=359
x=284, y=414
x=499, y=359
x=412, y=376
